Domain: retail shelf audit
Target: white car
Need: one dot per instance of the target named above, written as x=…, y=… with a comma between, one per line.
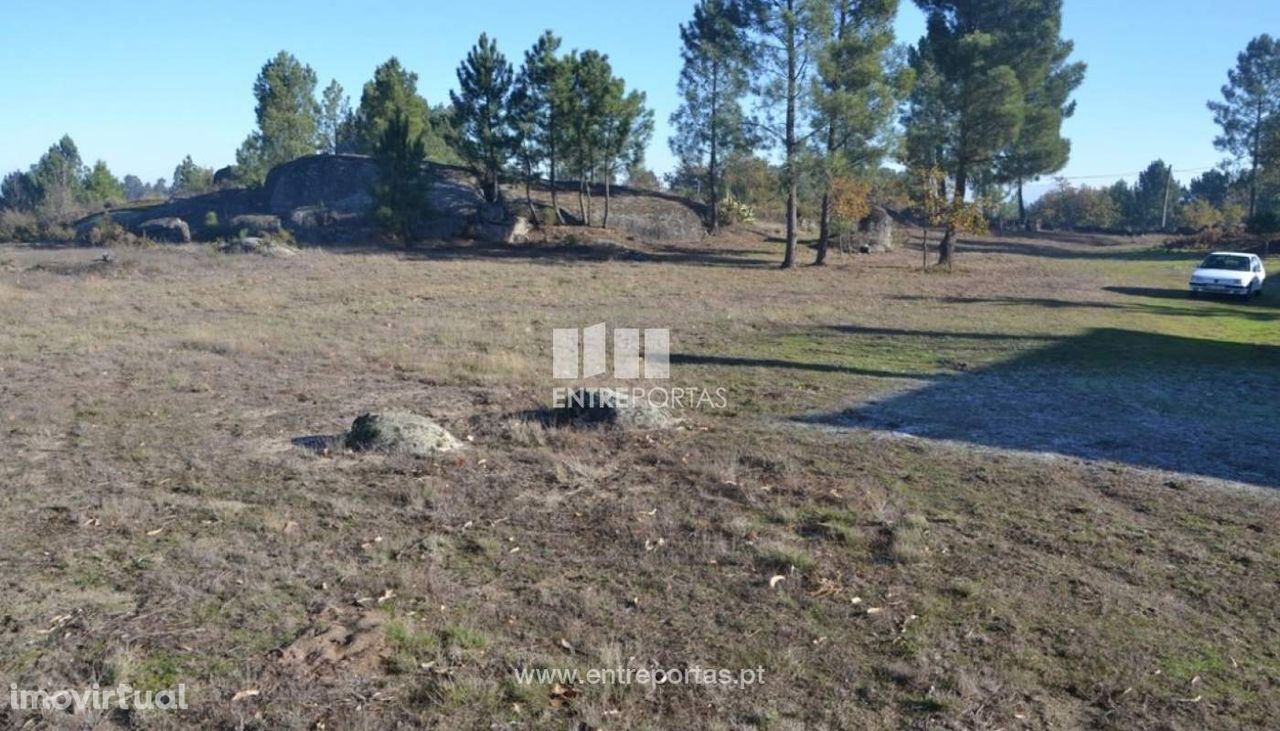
x=1227, y=272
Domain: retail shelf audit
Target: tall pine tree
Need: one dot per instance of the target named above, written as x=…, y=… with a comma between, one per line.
x=1040, y=148
x=855, y=94
x=288, y=118
x=480, y=113
x=971, y=105
x=709, y=123
x=1249, y=113
x=783, y=34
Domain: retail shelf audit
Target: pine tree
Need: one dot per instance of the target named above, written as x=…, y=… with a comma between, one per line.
x=392, y=93
x=18, y=192
x=335, y=107
x=783, y=36
x=191, y=179
x=484, y=137
x=586, y=99
x=626, y=128
x=523, y=116
x=57, y=179
x=101, y=186
x=709, y=124
x=400, y=195
x=1040, y=148
x=971, y=101
x=1249, y=113
x=855, y=94
x=288, y=118
x=541, y=112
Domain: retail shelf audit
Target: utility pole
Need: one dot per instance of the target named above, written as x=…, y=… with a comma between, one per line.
x=1168, y=183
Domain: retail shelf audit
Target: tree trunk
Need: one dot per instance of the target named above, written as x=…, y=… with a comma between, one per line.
x=528, y=193
x=824, y=225
x=1256, y=152
x=582, y=203
x=789, y=258
x=946, y=249
x=1022, y=207
x=555, y=201
x=824, y=230
x=605, y=222
x=712, y=180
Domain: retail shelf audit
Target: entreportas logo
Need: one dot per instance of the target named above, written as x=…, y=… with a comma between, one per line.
x=568, y=350
x=639, y=354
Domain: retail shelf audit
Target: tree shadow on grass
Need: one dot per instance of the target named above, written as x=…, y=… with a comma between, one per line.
x=562, y=253
x=1060, y=246
x=748, y=362
x=1180, y=404
x=1257, y=309
x=1269, y=298
x=897, y=332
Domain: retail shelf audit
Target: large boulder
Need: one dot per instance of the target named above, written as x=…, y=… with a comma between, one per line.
x=605, y=407
x=400, y=432
x=669, y=223
x=342, y=184
x=225, y=177
x=261, y=246
x=168, y=230
x=256, y=225
x=876, y=231
x=514, y=231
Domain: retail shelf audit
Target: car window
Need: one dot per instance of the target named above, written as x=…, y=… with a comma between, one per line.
x=1229, y=263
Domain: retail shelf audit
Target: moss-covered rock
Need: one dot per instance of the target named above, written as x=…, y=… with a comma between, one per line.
x=402, y=432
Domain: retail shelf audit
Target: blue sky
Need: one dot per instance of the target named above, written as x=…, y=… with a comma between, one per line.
x=141, y=84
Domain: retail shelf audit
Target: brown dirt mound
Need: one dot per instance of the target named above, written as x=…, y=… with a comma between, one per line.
x=339, y=643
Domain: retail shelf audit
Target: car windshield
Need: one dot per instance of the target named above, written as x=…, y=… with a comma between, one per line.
x=1230, y=263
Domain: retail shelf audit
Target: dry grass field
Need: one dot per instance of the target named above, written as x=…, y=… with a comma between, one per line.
x=1035, y=492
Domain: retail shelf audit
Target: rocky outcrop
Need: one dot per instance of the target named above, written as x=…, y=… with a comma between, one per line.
x=170, y=230
x=329, y=198
x=641, y=214
x=225, y=177
x=340, y=184
x=256, y=225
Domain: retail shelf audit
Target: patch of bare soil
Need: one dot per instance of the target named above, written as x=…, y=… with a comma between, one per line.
x=339, y=642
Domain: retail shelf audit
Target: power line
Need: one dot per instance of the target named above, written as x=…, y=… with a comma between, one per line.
x=1117, y=176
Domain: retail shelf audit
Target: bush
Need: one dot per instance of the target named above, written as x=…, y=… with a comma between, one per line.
x=18, y=226
x=107, y=232
x=734, y=211
x=1264, y=223
x=57, y=233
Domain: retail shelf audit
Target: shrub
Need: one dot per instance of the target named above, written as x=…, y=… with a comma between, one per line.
x=733, y=211
x=57, y=233
x=18, y=226
x=107, y=232
x=211, y=224
x=1265, y=222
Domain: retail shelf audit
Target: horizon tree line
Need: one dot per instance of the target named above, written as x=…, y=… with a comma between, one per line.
x=809, y=97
